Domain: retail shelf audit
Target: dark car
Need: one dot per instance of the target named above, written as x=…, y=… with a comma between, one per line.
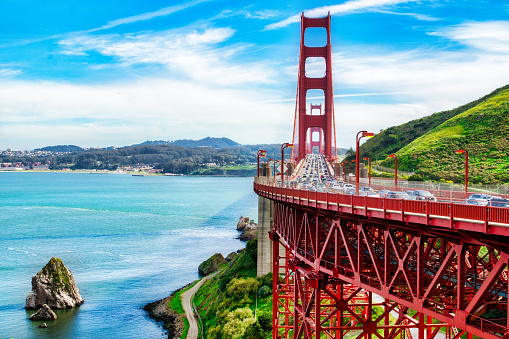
x=498, y=202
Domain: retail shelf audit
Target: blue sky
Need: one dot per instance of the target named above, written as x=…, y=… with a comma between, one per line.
x=114, y=73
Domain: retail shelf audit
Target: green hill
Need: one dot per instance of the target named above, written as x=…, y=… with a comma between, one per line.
x=394, y=138
x=482, y=130
x=205, y=142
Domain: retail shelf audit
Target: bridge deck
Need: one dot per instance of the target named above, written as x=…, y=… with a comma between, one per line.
x=482, y=219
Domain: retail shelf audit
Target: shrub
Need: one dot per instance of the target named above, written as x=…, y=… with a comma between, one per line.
x=265, y=320
x=254, y=331
x=237, y=323
x=415, y=177
x=264, y=291
x=239, y=288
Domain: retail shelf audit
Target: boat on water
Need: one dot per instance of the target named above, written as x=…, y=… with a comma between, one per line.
x=140, y=175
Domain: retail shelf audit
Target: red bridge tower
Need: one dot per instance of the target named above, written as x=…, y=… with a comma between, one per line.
x=324, y=122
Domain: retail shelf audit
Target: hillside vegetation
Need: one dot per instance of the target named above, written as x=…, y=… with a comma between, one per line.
x=394, y=138
x=205, y=142
x=228, y=302
x=482, y=130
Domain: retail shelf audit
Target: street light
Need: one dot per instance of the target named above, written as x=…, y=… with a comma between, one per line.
x=260, y=153
x=369, y=170
x=360, y=135
x=275, y=161
x=396, y=169
x=464, y=151
x=350, y=168
x=283, y=146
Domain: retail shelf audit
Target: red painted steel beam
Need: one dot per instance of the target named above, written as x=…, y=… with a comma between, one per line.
x=413, y=267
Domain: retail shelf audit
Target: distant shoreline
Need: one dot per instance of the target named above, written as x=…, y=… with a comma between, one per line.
x=125, y=173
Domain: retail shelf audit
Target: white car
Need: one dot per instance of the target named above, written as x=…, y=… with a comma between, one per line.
x=366, y=190
x=478, y=199
x=422, y=195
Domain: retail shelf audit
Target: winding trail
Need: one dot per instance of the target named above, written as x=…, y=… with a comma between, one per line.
x=187, y=298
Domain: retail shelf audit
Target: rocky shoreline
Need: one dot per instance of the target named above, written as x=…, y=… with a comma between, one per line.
x=172, y=321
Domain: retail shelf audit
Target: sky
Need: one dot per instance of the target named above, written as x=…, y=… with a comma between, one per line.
x=114, y=73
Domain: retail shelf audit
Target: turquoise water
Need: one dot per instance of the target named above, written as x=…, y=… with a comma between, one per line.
x=127, y=240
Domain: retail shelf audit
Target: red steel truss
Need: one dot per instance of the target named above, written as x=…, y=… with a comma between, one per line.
x=340, y=274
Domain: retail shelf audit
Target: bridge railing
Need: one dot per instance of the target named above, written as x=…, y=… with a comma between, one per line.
x=478, y=216
x=438, y=189
x=491, y=325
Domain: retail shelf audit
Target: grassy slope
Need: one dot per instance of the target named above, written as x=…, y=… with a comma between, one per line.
x=217, y=301
x=392, y=139
x=482, y=130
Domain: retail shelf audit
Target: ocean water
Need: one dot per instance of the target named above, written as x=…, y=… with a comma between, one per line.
x=127, y=240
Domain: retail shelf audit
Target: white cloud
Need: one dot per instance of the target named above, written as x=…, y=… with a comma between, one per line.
x=490, y=36
x=9, y=72
x=147, y=16
x=195, y=54
x=417, y=16
x=111, y=24
x=347, y=7
x=54, y=113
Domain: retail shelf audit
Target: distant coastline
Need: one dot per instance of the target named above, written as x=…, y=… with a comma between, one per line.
x=125, y=173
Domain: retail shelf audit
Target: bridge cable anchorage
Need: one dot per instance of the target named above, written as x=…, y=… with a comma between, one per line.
x=370, y=267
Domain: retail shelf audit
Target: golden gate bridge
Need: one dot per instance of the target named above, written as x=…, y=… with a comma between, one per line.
x=350, y=266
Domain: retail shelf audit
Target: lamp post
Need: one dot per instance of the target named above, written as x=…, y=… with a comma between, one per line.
x=369, y=169
x=359, y=136
x=464, y=151
x=260, y=153
x=395, y=170
x=350, y=168
x=283, y=146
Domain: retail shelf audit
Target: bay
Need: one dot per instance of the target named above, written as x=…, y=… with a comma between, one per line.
x=127, y=240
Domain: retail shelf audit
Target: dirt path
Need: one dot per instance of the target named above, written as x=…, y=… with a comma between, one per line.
x=186, y=298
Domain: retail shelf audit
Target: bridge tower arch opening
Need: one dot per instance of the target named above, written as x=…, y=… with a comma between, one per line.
x=306, y=123
x=315, y=138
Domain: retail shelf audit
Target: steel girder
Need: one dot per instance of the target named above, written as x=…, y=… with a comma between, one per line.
x=332, y=260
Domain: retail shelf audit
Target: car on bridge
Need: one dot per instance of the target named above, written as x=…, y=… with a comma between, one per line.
x=366, y=190
x=422, y=195
x=498, y=202
x=397, y=195
x=478, y=199
x=383, y=193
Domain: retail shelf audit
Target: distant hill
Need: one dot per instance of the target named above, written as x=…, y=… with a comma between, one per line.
x=218, y=143
x=61, y=148
x=394, y=138
x=482, y=130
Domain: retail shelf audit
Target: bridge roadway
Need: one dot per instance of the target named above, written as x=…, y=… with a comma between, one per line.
x=443, y=260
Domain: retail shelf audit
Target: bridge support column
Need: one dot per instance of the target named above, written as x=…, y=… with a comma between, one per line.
x=265, y=219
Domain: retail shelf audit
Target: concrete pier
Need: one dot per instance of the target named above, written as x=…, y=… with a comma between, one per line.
x=265, y=219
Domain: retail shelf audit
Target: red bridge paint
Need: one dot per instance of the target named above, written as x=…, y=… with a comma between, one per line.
x=343, y=264
x=322, y=123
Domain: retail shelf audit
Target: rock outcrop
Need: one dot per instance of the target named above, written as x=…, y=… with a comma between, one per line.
x=54, y=286
x=248, y=228
x=231, y=256
x=212, y=264
x=243, y=222
x=44, y=313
